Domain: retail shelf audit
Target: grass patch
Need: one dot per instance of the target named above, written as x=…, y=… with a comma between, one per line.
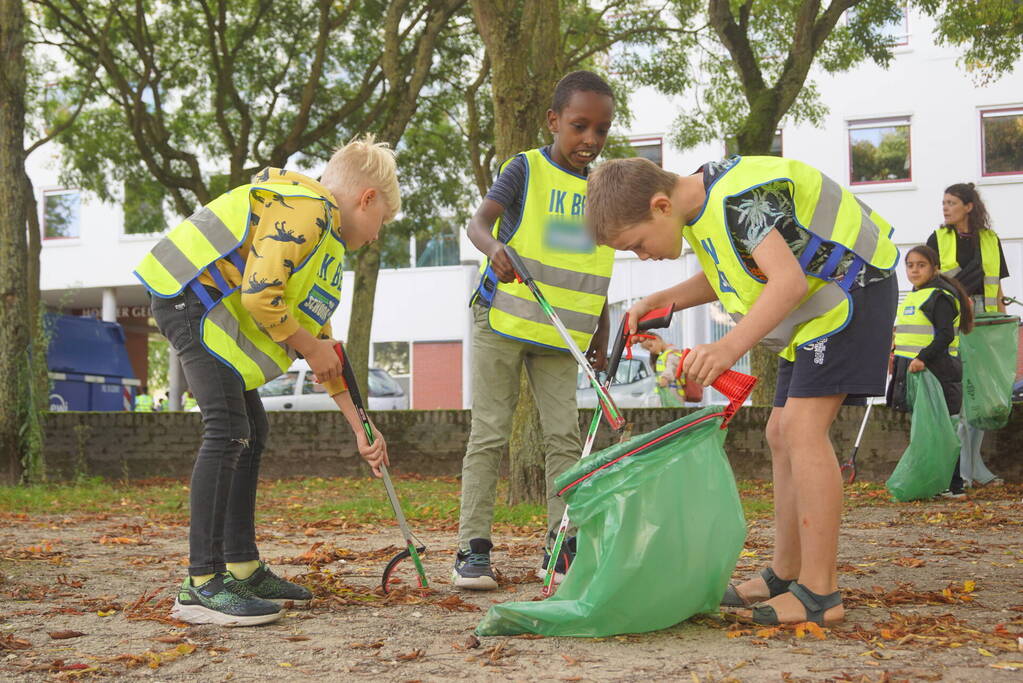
x=357, y=499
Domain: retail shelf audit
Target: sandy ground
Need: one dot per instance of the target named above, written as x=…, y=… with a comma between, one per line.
x=934, y=591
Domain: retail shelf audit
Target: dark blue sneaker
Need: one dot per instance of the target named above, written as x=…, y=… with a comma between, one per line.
x=565, y=559
x=472, y=569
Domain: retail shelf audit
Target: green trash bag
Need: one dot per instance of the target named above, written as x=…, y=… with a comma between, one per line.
x=989, y=369
x=925, y=468
x=660, y=530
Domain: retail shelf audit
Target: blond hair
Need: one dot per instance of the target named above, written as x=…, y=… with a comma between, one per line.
x=618, y=194
x=365, y=162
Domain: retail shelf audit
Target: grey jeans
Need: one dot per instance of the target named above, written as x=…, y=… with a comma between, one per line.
x=222, y=499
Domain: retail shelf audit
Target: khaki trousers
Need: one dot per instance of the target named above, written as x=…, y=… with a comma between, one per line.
x=496, y=366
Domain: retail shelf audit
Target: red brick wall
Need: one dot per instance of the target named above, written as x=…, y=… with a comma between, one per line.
x=436, y=375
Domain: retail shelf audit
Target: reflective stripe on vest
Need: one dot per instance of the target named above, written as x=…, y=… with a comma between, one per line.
x=990, y=259
x=229, y=332
x=914, y=331
x=143, y=403
x=572, y=272
x=661, y=365
x=829, y=212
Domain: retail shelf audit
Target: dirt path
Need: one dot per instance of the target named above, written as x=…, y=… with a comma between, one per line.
x=935, y=591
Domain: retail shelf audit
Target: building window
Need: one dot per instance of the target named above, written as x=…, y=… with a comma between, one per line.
x=143, y=207
x=732, y=147
x=897, y=29
x=438, y=250
x=62, y=214
x=651, y=148
x=1001, y=132
x=879, y=151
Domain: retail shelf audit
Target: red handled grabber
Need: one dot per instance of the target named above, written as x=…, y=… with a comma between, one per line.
x=413, y=548
x=656, y=319
x=734, y=385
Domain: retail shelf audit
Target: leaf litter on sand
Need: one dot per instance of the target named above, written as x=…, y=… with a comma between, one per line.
x=330, y=588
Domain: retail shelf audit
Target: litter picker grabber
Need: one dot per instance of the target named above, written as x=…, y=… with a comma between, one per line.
x=656, y=319
x=413, y=548
x=611, y=413
x=849, y=468
x=733, y=385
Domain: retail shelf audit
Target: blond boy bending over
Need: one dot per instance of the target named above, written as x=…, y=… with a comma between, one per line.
x=240, y=288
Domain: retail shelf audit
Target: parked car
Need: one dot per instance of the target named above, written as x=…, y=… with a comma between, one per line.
x=1017, y=392
x=297, y=390
x=634, y=385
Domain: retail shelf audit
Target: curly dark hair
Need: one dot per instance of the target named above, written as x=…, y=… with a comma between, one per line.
x=578, y=81
x=967, y=193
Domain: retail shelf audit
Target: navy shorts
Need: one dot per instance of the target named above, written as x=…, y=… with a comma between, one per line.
x=853, y=361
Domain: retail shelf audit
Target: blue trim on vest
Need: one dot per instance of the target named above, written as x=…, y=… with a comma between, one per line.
x=204, y=296
x=218, y=278
x=837, y=253
x=811, y=248
x=152, y=291
x=708, y=191
x=547, y=156
x=236, y=260
x=488, y=272
x=850, y=276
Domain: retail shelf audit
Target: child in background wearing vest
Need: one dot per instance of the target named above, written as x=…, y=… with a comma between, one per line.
x=796, y=285
x=358, y=193
x=940, y=302
x=672, y=387
x=536, y=205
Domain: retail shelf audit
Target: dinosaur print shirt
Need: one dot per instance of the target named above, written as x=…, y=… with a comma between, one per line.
x=283, y=232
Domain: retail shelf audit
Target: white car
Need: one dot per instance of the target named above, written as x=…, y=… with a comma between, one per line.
x=297, y=390
x=634, y=385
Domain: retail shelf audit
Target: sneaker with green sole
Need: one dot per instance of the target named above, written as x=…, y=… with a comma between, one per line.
x=223, y=600
x=266, y=585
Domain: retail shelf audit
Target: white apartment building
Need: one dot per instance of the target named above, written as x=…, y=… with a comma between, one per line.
x=953, y=131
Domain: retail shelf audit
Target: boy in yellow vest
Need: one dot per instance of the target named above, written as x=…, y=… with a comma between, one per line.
x=805, y=268
x=535, y=206
x=241, y=288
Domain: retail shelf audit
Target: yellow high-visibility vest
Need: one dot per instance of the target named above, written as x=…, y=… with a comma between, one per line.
x=143, y=403
x=571, y=270
x=914, y=331
x=229, y=331
x=990, y=260
x=830, y=213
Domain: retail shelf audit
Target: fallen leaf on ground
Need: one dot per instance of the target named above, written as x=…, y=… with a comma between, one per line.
x=296, y=639
x=64, y=635
x=9, y=642
x=409, y=656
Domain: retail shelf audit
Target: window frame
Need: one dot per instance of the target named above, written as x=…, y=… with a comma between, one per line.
x=982, y=113
x=648, y=141
x=878, y=122
x=42, y=222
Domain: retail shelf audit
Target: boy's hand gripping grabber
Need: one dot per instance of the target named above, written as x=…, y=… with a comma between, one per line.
x=413, y=548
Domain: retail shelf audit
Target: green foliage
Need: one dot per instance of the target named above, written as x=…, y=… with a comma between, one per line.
x=990, y=30
x=159, y=362
x=720, y=101
x=143, y=207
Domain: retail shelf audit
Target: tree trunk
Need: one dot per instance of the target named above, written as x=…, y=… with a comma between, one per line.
x=39, y=341
x=522, y=40
x=360, y=325
x=13, y=311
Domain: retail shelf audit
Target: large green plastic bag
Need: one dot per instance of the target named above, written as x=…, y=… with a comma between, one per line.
x=659, y=534
x=925, y=467
x=989, y=369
